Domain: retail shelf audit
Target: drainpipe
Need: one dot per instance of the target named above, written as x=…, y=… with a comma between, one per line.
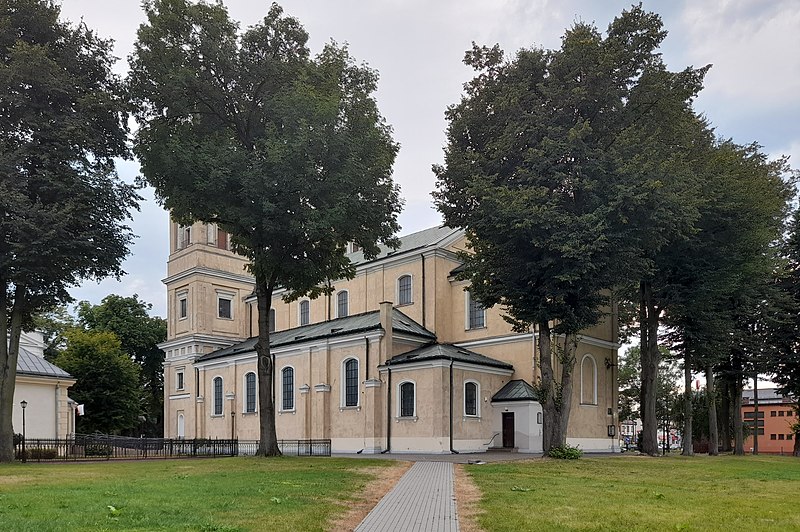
x=453, y=451
x=366, y=357
x=388, y=413
x=423, y=289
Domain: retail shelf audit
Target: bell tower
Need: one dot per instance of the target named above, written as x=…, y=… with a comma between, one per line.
x=206, y=289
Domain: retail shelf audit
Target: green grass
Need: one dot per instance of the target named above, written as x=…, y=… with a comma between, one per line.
x=205, y=495
x=639, y=493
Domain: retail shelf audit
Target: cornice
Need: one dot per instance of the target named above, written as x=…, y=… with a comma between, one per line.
x=210, y=272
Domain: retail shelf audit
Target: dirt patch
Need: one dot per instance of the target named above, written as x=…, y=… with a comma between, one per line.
x=467, y=498
x=385, y=479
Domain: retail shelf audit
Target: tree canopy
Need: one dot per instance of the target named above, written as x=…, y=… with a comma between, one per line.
x=286, y=152
x=62, y=208
x=139, y=335
x=554, y=159
x=107, y=382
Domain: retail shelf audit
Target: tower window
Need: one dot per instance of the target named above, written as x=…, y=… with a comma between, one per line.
x=225, y=309
x=183, y=306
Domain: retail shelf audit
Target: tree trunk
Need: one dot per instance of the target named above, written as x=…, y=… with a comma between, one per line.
x=9, y=353
x=268, y=440
x=711, y=403
x=648, y=323
x=738, y=429
x=755, y=414
x=726, y=416
x=688, y=437
x=556, y=396
x=547, y=395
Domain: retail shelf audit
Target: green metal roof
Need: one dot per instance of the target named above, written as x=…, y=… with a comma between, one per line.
x=30, y=364
x=354, y=324
x=516, y=390
x=431, y=237
x=446, y=352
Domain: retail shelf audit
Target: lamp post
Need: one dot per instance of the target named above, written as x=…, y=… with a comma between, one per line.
x=24, y=405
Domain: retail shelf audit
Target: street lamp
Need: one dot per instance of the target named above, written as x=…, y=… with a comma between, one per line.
x=23, y=404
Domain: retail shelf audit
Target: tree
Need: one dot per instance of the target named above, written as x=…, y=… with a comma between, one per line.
x=726, y=266
x=785, y=364
x=53, y=324
x=285, y=152
x=539, y=168
x=139, y=334
x=62, y=207
x=107, y=381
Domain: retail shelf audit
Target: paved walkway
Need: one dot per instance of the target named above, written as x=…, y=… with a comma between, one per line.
x=423, y=500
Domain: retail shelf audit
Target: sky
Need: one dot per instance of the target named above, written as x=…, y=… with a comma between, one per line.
x=750, y=95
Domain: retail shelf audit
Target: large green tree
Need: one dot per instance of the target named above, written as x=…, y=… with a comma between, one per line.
x=286, y=152
x=552, y=156
x=726, y=266
x=62, y=207
x=139, y=333
x=107, y=381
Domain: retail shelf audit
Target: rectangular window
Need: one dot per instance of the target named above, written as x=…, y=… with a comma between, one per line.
x=225, y=308
x=780, y=436
x=752, y=415
x=760, y=432
x=773, y=413
x=250, y=385
x=351, y=382
x=773, y=436
x=788, y=436
x=183, y=307
x=222, y=239
x=288, y=389
x=477, y=314
x=407, y=399
x=304, y=312
x=179, y=384
x=781, y=413
x=404, y=290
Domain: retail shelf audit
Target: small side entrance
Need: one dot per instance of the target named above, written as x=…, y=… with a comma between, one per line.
x=508, y=430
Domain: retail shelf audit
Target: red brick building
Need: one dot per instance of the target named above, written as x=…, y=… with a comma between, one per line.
x=776, y=415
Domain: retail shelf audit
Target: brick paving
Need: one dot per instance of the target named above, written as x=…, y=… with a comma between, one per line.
x=423, y=500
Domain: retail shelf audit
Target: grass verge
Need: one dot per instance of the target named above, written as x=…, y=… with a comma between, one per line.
x=228, y=494
x=639, y=493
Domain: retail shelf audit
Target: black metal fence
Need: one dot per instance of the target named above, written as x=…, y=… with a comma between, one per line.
x=104, y=447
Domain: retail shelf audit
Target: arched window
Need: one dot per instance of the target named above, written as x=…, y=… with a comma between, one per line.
x=217, y=396
x=272, y=320
x=471, y=398
x=404, y=290
x=287, y=388
x=181, y=427
x=588, y=380
x=351, y=382
x=250, y=392
x=342, y=306
x=476, y=314
x=305, y=312
x=407, y=399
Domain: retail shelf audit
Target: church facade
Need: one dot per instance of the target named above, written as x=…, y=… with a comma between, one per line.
x=397, y=359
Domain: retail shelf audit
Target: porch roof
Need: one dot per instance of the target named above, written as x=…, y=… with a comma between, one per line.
x=516, y=390
x=30, y=364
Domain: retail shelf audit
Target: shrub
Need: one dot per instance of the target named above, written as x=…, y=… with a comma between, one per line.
x=97, y=450
x=565, y=452
x=38, y=454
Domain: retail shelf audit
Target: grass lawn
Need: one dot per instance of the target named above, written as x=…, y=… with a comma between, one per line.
x=639, y=493
x=223, y=494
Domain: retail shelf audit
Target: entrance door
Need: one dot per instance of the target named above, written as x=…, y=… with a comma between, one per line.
x=508, y=430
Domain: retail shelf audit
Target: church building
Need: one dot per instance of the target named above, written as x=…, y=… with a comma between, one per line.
x=398, y=359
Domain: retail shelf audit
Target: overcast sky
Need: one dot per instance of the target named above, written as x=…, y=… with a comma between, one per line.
x=751, y=93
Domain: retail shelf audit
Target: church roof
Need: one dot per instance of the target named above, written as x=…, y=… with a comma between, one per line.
x=431, y=237
x=446, y=352
x=30, y=364
x=516, y=390
x=356, y=323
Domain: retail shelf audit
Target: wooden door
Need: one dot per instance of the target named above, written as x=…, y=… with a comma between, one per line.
x=508, y=430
